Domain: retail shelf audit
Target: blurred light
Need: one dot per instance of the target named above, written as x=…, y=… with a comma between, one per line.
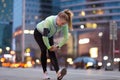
x=0, y=50
x=27, y=54
x=7, y=48
x=27, y=50
x=94, y=25
x=26, y=31
x=48, y=60
x=108, y=64
x=100, y=34
x=70, y=61
x=88, y=25
x=28, y=58
x=7, y=56
x=38, y=61
x=94, y=11
x=94, y=52
x=105, y=58
x=116, y=59
x=82, y=13
x=12, y=52
x=100, y=11
x=82, y=26
x=17, y=33
x=31, y=31
x=29, y=64
x=2, y=59
x=89, y=64
x=91, y=25
x=99, y=63
x=14, y=65
x=84, y=41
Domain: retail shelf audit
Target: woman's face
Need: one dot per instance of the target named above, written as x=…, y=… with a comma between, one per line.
x=60, y=21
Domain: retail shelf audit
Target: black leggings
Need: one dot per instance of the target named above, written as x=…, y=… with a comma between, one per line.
x=39, y=40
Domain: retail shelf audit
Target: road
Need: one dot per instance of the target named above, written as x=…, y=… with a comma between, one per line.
x=73, y=74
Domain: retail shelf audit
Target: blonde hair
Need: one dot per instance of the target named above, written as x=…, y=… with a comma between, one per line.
x=67, y=15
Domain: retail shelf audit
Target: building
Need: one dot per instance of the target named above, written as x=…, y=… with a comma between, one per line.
x=96, y=15
x=93, y=13
x=55, y=6
x=6, y=14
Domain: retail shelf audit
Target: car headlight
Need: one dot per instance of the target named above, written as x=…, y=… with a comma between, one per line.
x=90, y=64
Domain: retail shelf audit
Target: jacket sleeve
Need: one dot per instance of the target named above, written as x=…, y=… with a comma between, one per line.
x=46, y=42
x=65, y=36
x=46, y=31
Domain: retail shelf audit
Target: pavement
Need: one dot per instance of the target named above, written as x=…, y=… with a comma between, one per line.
x=72, y=74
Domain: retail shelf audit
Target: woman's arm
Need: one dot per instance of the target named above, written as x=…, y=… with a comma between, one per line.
x=46, y=31
x=65, y=36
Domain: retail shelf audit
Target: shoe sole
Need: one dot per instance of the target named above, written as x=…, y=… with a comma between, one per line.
x=63, y=73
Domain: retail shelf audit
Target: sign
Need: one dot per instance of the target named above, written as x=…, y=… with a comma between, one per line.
x=113, y=30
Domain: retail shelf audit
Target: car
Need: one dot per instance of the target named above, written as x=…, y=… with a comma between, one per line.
x=86, y=63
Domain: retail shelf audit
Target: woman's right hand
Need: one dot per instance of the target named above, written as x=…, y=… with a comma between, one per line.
x=53, y=48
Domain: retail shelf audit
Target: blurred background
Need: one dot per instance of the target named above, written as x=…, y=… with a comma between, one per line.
x=96, y=33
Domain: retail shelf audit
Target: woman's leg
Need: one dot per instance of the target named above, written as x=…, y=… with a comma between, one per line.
x=52, y=56
x=39, y=40
x=60, y=73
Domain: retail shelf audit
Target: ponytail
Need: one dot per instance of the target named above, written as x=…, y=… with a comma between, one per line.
x=67, y=15
x=70, y=15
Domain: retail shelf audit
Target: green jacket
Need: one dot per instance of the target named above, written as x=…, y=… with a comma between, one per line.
x=50, y=23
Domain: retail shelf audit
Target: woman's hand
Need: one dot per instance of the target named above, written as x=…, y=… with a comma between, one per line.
x=53, y=48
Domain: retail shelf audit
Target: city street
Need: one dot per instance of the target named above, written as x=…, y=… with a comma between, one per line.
x=73, y=74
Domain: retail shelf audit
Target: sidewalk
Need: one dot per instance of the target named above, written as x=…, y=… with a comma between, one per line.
x=73, y=74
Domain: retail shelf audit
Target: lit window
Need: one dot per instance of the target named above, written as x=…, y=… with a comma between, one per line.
x=94, y=52
x=100, y=11
x=94, y=25
x=94, y=12
x=84, y=41
x=82, y=13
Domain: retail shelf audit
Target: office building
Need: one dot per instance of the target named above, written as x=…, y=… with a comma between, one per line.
x=6, y=14
x=96, y=15
x=93, y=13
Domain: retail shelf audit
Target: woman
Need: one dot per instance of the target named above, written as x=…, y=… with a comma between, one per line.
x=43, y=34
